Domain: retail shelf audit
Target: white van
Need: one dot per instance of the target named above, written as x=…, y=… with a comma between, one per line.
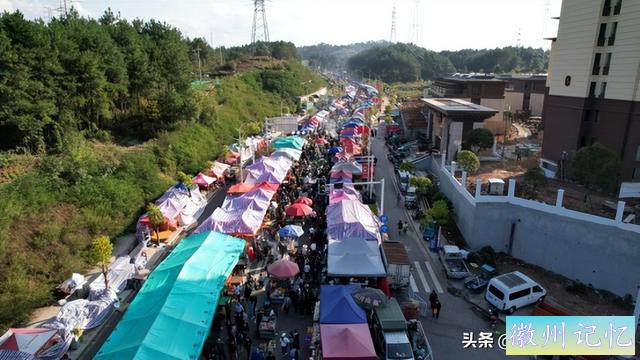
x=512, y=291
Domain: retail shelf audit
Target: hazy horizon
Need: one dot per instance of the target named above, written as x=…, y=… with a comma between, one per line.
x=480, y=24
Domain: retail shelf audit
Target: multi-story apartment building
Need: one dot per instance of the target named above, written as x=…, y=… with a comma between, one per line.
x=593, y=84
x=485, y=90
x=524, y=93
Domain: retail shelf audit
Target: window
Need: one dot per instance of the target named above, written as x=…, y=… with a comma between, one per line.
x=606, y=10
x=592, y=89
x=612, y=34
x=636, y=174
x=617, y=8
x=607, y=64
x=586, y=116
x=602, y=34
x=603, y=89
x=596, y=115
x=537, y=289
x=519, y=294
x=583, y=142
x=526, y=101
x=596, y=64
x=567, y=80
x=638, y=153
x=495, y=292
x=475, y=90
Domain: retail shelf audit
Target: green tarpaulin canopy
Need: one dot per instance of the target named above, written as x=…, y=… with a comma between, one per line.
x=292, y=142
x=391, y=316
x=171, y=316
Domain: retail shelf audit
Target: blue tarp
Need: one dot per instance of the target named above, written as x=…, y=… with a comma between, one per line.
x=338, y=307
x=171, y=315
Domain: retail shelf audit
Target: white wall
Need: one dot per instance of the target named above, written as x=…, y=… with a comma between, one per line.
x=579, y=246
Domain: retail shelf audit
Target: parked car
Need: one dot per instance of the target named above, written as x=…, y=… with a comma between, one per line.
x=453, y=262
x=514, y=290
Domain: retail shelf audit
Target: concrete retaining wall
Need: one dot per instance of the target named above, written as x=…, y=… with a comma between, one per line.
x=592, y=249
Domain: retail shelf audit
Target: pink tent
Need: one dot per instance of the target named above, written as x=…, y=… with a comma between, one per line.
x=203, y=180
x=346, y=342
x=339, y=195
x=30, y=340
x=219, y=168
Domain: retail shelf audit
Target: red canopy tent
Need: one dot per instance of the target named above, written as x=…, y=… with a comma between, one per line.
x=231, y=157
x=346, y=342
x=240, y=188
x=352, y=149
x=345, y=141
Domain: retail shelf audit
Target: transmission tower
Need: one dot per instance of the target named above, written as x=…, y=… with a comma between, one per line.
x=519, y=39
x=414, y=35
x=393, y=38
x=259, y=30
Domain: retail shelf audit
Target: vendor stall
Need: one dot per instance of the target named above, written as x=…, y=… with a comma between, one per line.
x=346, y=342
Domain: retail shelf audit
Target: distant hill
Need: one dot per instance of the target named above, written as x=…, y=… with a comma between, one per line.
x=408, y=62
x=335, y=57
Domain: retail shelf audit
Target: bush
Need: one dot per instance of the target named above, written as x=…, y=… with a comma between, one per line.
x=535, y=177
x=596, y=166
x=468, y=161
x=480, y=138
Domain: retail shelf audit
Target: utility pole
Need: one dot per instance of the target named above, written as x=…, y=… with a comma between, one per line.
x=197, y=50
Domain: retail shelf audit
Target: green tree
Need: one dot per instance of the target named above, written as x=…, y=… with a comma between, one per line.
x=480, y=138
x=184, y=179
x=468, y=161
x=156, y=218
x=439, y=213
x=407, y=166
x=596, y=167
x=101, y=254
x=422, y=184
x=535, y=178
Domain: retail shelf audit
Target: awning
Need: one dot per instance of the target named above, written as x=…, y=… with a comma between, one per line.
x=203, y=180
x=338, y=307
x=171, y=315
x=293, y=142
x=352, y=219
x=219, y=168
x=354, y=258
x=351, y=166
x=347, y=342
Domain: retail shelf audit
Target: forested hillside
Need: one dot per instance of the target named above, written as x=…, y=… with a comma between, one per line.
x=399, y=63
x=407, y=62
x=96, y=118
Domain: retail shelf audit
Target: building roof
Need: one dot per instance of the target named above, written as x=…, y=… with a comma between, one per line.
x=453, y=107
x=411, y=113
x=471, y=78
x=541, y=77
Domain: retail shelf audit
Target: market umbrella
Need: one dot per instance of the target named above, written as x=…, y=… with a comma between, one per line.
x=283, y=269
x=369, y=298
x=291, y=231
x=335, y=149
x=298, y=210
x=321, y=141
x=304, y=200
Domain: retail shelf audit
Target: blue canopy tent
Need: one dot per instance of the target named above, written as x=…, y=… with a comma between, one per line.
x=338, y=307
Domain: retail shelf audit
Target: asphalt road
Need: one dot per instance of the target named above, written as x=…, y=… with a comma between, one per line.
x=457, y=317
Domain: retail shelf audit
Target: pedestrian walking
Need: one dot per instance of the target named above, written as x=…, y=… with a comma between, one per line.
x=433, y=297
x=233, y=350
x=220, y=352
x=435, y=311
x=400, y=224
x=293, y=354
x=296, y=339
x=286, y=304
x=284, y=344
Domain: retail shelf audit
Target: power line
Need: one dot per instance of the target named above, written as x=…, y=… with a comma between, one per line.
x=414, y=35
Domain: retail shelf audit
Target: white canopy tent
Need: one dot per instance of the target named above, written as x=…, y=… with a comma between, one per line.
x=355, y=258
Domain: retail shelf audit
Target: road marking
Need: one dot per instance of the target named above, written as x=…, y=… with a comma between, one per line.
x=413, y=285
x=434, y=277
x=427, y=289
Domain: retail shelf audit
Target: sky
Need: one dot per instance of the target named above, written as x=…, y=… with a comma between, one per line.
x=442, y=24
